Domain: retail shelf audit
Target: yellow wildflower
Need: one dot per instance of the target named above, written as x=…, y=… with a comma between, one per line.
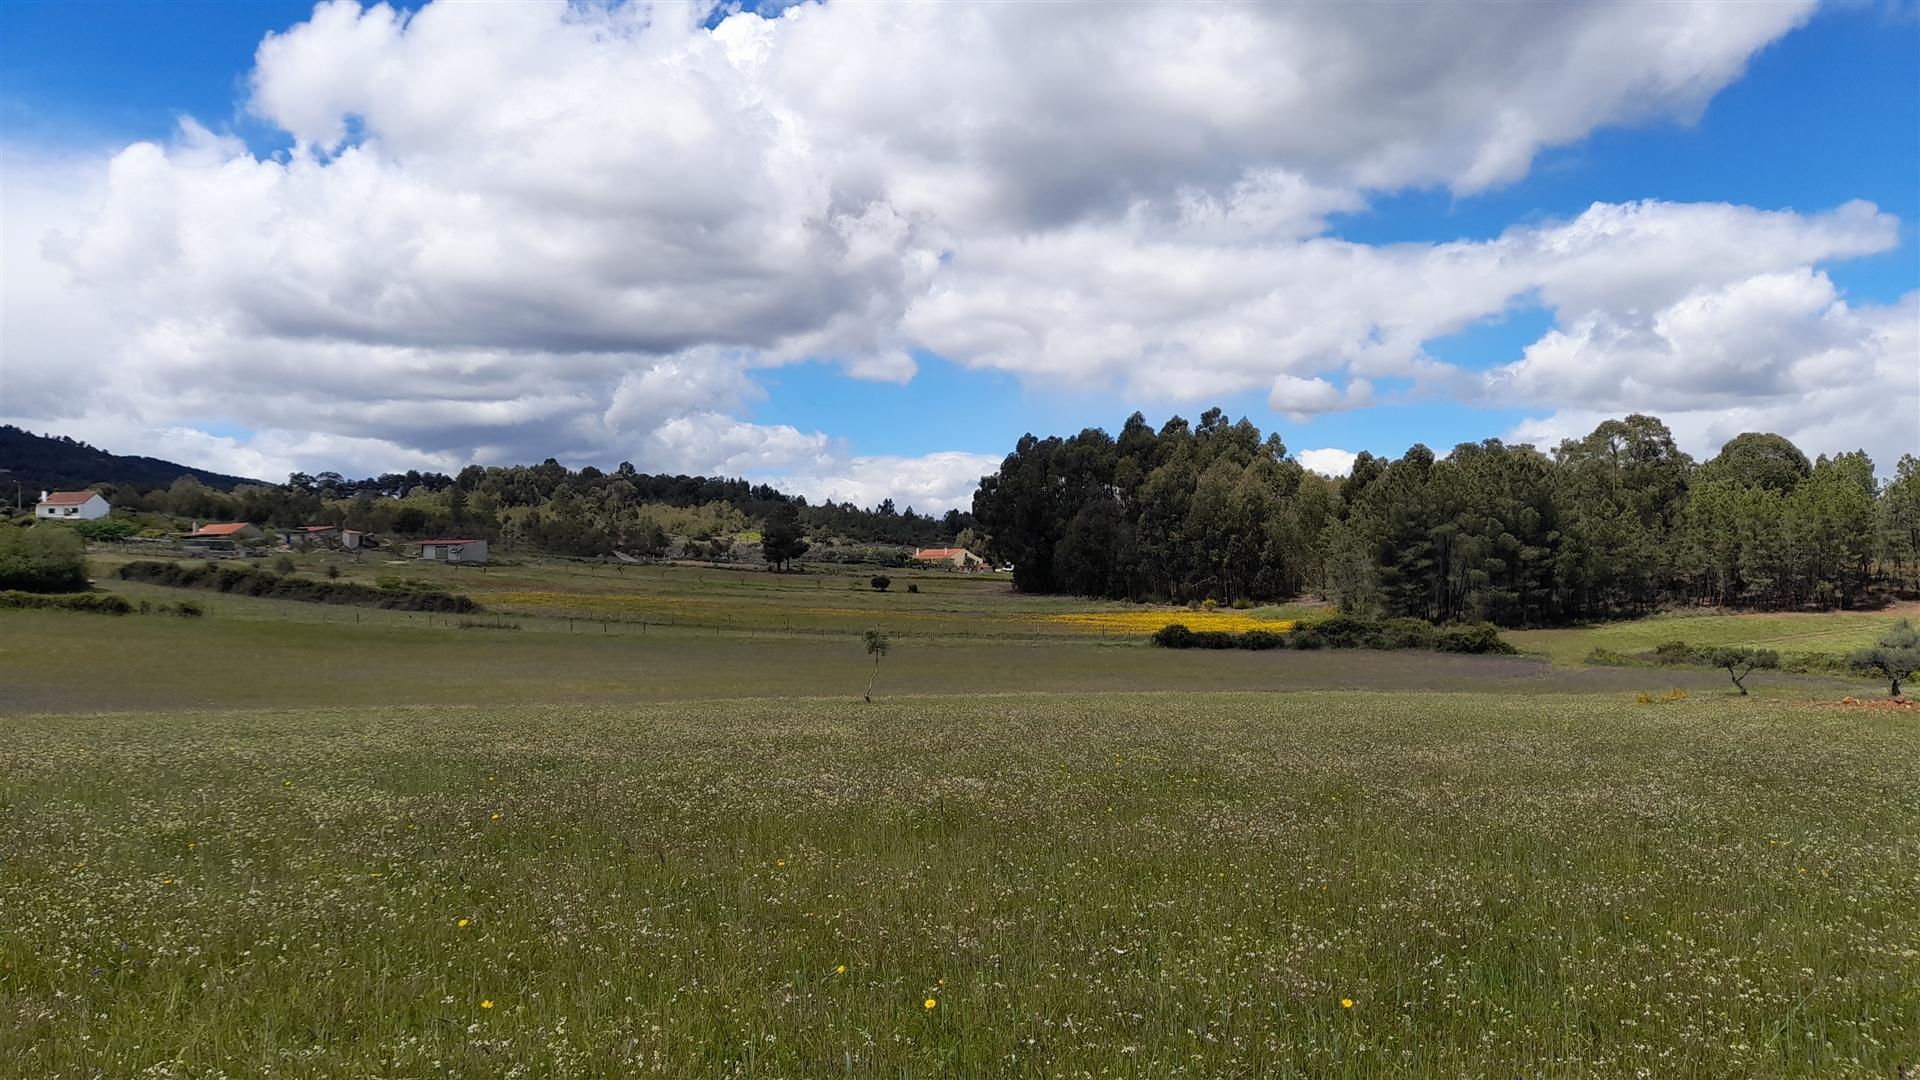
x=841, y=970
x=929, y=1003
x=1346, y=1003
x=462, y=924
x=486, y=1003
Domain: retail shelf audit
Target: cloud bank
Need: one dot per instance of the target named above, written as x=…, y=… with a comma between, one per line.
x=507, y=231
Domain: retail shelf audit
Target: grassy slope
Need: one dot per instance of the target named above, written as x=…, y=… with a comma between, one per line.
x=1835, y=632
x=1143, y=885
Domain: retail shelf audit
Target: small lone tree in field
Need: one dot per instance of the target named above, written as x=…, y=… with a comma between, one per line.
x=1896, y=657
x=880, y=582
x=1741, y=661
x=877, y=645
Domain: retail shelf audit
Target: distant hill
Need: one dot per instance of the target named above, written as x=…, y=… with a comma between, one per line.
x=55, y=462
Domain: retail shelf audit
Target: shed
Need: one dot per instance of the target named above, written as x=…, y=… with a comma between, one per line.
x=454, y=551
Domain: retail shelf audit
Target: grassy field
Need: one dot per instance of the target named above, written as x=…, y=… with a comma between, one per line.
x=1828, y=632
x=1143, y=885
x=296, y=840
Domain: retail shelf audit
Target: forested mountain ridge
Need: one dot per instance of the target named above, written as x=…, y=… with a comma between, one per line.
x=55, y=463
x=1616, y=523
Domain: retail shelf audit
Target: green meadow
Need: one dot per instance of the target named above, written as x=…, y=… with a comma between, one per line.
x=653, y=830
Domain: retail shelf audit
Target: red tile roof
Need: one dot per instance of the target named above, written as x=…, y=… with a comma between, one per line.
x=220, y=530
x=68, y=498
x=937, y=553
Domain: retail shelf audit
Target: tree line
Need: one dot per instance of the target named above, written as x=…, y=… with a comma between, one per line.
x=1616, y=523
x=546, y=507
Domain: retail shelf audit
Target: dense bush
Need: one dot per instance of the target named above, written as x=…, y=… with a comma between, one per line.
x=247, y=581
x=1173, y=636
x=42, y=559
x=1407, y=634
x=97, y=603
x=1345, y=632
x=1480, y=639
x=105, y=529
x=1338, y=632
x=1262, y=640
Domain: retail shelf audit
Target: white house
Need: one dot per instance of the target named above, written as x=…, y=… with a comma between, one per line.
x=71, y=506
x=454, y=551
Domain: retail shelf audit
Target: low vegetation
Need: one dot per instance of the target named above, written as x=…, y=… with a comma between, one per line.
x=1343, y=632
x=400, y=594
x=92, y=602
x=42, y=560
x=1154, y=885
x=1895, y=657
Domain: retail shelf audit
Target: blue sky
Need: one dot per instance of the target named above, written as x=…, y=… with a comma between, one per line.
x=1823, y=114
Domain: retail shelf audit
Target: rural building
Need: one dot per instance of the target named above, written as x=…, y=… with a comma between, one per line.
x=220, y=539
x=958, y=558
x=313, y=536
x=231, y=531
x=71, y=506
x=308, y=537
x=454, y=551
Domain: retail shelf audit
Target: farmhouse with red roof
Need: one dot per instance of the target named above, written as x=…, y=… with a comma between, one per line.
x=71, y=506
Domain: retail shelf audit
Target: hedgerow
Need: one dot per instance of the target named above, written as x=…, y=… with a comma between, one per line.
x=248, y=581
x=1345, y=632
x=95, y=603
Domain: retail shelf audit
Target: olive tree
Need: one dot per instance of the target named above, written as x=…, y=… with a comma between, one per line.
x=1896, y=656
x=1741, y=661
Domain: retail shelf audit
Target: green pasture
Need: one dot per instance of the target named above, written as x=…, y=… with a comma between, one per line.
x=300, y=840
x=1840, y=632
x=1023, y=885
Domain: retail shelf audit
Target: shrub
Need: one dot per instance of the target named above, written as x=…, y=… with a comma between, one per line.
x=1213, y=639
x=1481, y=639
x=1339, y=632
x=1173, y=636
x=880, y=582
x=1679, y=652
x=1262, y=640
x=283, y=565
x=105, y=529
x=333, y=571
x=913, y=588
x=1407, y=634
x=95, y=603
x=189, y=609
x=248, y=581
x=42, y=560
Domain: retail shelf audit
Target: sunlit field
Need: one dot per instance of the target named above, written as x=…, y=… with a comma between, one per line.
x=1144, y=885
x=1839, y=632
x=292, y=839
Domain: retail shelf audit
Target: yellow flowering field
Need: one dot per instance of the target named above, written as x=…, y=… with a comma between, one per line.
x=1142, y=623
x=1320, y=884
